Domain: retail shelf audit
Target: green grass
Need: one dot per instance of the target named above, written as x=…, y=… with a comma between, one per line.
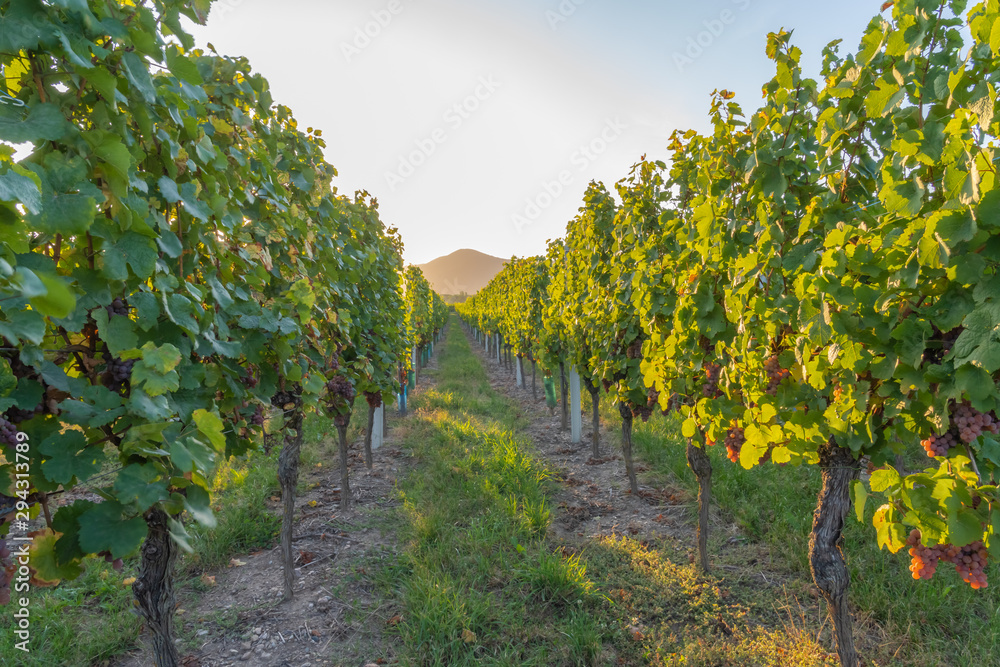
x=478, y=581
x=926, y=623
x=481, y=584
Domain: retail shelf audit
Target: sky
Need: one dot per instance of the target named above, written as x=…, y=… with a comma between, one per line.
x=479, y=123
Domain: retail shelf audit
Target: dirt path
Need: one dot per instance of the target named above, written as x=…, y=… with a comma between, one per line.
x=338, y=616
x=594, y=499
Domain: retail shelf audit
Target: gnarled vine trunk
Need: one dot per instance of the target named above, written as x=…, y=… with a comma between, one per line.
x=154, y=587
x=826, y=560
x=626, y=412
x=701, y=465
x=288, y=478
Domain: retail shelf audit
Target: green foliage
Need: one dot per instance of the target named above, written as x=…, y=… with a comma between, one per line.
x=172, y=253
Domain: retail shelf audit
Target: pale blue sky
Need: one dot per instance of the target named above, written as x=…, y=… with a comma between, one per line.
x=479, y=123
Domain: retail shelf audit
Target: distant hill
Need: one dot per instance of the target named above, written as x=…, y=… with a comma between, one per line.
x=465, y=271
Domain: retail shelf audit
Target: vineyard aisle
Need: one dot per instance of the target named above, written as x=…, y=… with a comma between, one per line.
x=481, y=537
x=520, y=551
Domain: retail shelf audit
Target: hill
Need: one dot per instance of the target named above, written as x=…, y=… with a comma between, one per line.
x=464, y=270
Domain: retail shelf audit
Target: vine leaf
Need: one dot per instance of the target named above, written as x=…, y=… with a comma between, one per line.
x=104, y=528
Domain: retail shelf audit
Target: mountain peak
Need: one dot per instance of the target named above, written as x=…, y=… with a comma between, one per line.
x=464, y=270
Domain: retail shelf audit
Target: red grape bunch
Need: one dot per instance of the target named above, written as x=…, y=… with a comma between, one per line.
x=118, y=373
x=711, y=386
x=341, y=387
x=775, y=374
x=8, y=433
x=938, y=445
x=258, y=416
x=969, y=561
x=734, y=443
x=117, y=308
x=924, y=559
x=971, y=423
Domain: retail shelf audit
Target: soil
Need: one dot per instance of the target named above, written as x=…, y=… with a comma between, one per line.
x=593, y=499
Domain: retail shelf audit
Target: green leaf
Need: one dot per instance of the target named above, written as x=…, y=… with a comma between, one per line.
x=689, y=428
x=58, y=301
x=979, y=343
x=23, y=325
x=141, y=484
x=130, y=250
x=155, y=372
x=182, y=67
x=884, y=479
x=211, y=427
x=104, y=528
x=118, y=332
x=199, y=504
x=15, y=187
x=137, y=72
x=65, y=214
x=114, y=152
x=964, y=527
x=69, y=457
x=43, y=122
x=860, y=497
x=22, y=25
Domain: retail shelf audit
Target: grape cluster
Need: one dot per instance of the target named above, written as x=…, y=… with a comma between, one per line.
x=341, y=387
x=258, y=416
x=734, y=443
x=6, y=570
x=634, y=351
x=117, y=308
x=16, y=415
x=938, y=445
x=924, y=559
x=711, y=386
x=118, y=372
x=643, y=412
x=374, y=399
x=8, y=433
x=250, y=380
x=775, y=374
x=971, y=423
x=969, y=561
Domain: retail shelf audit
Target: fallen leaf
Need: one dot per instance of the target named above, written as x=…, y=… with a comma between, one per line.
x=236, y=562
x=395, y=620
x=129, y=581
x=468, y=636
x=208, y=580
